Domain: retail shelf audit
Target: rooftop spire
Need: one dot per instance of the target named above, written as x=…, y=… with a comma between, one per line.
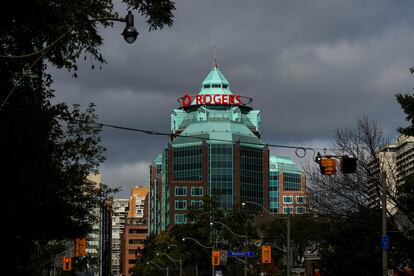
x=215, y=57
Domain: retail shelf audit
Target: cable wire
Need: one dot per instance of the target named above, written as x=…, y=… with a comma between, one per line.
x=158, y=133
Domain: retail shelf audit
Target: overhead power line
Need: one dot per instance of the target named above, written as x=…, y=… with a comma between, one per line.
x=300, y=151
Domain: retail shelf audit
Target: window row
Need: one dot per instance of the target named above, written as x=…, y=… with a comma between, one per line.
x=289, y=210
x=289, y=199
x=182, y=191
x=182, y=204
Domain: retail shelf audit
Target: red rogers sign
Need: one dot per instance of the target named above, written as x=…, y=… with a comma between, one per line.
x=206, y=99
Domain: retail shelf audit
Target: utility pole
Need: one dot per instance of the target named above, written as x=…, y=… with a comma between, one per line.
x=384, y=223
x=288, y=255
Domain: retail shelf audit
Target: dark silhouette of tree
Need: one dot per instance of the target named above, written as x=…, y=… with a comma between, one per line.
x=49, y=150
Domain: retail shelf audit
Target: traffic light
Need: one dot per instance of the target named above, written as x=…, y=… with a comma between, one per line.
x=215, y=257
x=348, y=164
x=67, y=263
x=80, y=248
x=266, y=254
x=327, y=166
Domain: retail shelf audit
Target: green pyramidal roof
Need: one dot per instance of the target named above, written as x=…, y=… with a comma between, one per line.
x=215, y=83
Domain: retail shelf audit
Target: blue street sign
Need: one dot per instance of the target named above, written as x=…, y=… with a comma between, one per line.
x=385, y=243
x=240, y=254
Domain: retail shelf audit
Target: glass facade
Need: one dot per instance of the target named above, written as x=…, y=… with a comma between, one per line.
x=188, y=163
x=291, y=181
x=251, y=174
x=274, y=192
x=221, y=173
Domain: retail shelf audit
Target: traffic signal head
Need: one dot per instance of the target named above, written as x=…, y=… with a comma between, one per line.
x=266, y=254
x=328, y=166
x=348, y=165
x=67, y=263
x=215, y=257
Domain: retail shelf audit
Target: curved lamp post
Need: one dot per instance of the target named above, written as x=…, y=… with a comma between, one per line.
x=237, y=235
x=288, y=251
x=204, y=247
x=159, y=267
x=180, y=261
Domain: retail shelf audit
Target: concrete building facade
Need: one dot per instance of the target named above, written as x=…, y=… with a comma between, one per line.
x=135, y=230
x=119, y=215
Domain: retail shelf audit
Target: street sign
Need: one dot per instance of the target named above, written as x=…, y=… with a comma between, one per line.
x=385, y=243
x=240, y=254
x=223, y=257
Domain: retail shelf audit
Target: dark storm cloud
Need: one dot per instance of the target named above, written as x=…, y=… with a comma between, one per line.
x=311, y=67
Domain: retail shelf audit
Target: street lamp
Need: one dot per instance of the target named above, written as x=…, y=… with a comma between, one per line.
x=289, y=251
x=159, y=267
x=204, y=247
x=130, y=33
x=180, y=261
x=237, y=235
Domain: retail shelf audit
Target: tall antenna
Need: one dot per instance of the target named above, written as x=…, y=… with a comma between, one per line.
x=215, y=57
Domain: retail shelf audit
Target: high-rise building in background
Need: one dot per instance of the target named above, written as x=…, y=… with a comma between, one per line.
x=397, y=162
x=135, y=231
x=215, y=147
x=119, y=214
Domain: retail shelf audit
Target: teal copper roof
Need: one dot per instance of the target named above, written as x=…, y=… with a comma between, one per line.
x=217, y=132
x=215, y=83
x=278, y=163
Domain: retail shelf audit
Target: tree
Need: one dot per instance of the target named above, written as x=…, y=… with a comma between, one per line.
x=352, y=202
x=49, y=150
x=406, y=102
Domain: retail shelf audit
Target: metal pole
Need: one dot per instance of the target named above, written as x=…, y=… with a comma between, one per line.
x=181, y=267
x=168, y=271
x=288, y=255
x=245, y=262
x=384, y=222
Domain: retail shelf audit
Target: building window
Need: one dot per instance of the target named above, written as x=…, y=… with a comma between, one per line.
x=137, y=231
x=180, y=204
x=196, y=191
x=180, y=219
x=287, y=210
x=132, y=261
x=291, y=181
x=197, y=204
x=300, y=210
x=287, y=199
x=136, y=241
x=180, y=191
x=188, y=163
x=300, y=200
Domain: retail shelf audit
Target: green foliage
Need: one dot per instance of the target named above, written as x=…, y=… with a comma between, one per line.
x=49, y=150
x=406, y=102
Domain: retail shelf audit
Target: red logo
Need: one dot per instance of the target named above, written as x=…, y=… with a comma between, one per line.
x=206, y=99
x=186, y=100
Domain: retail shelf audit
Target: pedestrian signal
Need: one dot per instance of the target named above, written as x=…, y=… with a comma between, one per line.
x=67, y=263
x=80, y=248
x=215, y=257
x=266, y=254
x=348, y=165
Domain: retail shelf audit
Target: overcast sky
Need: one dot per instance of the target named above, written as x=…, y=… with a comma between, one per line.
x=311, y=67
